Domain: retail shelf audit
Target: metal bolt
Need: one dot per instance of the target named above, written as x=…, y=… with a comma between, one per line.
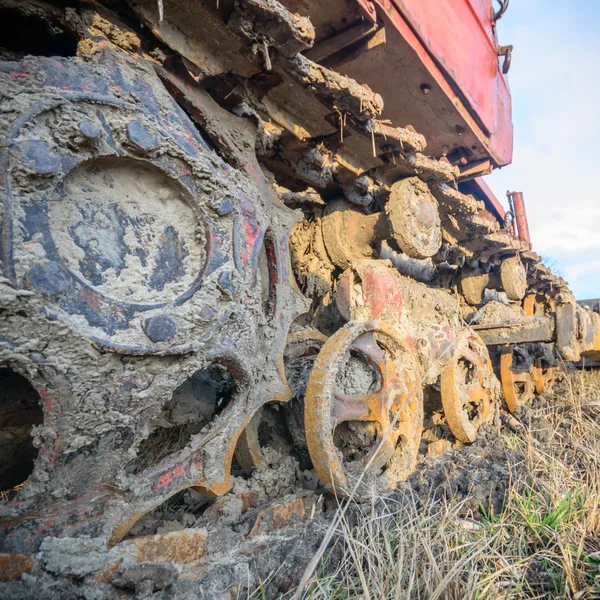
x=160, y=328
x=139, y=136
x=89, y=130
x=206, y=314
x=224, y=207
x=38, y=158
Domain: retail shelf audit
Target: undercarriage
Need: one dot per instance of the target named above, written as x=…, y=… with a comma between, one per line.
x=202, y=228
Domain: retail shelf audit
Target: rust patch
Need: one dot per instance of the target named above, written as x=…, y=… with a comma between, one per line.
x=468, y=388
x=106, y=574
x=518, y=387
x=280, y=516
x=180, y=547
x=12, y=566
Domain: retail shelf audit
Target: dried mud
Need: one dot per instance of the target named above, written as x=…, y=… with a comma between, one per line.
x=141, y=210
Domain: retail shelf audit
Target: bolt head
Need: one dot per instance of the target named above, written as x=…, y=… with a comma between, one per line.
x=39, y=158
x=160, y=328
x=140, y=136
x=89, y=130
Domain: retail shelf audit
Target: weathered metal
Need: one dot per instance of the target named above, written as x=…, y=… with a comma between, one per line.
x=145, y=186
x=520, y=215
x=156, y=270
x=412, y=213
x=469, y=388
x=517, y=384
x=531, y=329
x=511, y=278
x=248, y=452
x=410, y=219
x=543, y=376
x=395, y=407
x=300, y=354
x=465, y=101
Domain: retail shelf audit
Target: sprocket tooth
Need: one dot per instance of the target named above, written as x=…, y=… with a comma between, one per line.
x=133, y=254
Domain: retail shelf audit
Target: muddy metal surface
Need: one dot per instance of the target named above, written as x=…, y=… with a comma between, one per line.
x=132, y=266
x=229, y=287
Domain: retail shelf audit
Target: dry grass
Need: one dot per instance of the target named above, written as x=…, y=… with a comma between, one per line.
x=9, y=495
x=544, y=544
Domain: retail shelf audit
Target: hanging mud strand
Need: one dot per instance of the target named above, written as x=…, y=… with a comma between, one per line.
x=219, y=217
x=265, y=49
x=373, y=141
x=342, y=119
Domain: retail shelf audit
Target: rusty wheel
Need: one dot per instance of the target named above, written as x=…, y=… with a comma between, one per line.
x=384, y=409
x=468, y=387
x=300, y=354
x=543, y=376
x=301, y=350
x=517, y=383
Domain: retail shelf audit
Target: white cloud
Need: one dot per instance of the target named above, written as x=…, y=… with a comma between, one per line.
x=591, y=267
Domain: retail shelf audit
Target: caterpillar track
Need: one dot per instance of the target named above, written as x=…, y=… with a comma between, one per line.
x=201, y=223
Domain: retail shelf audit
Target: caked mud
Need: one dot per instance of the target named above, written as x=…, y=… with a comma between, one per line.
x=231, y=286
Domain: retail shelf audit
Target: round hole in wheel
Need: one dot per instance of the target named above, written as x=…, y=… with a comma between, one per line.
x=354, y=439
x=128, y=230
x=20, y=411
x=194, y=404
x=363, y=423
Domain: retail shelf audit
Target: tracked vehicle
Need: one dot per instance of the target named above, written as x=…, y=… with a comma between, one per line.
x=215, y=209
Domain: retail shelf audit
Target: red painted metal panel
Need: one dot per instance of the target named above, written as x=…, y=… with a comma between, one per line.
x=457, y=38
x=440, y=44
x=483, y=9
x=449, y=45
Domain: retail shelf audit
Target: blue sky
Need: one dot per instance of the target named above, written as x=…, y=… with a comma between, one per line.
x=555, y=85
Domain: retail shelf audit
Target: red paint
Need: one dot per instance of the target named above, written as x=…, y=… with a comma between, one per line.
x=521, y=216
x=381, y=293
x=252, y=231
x=165, y=480
x=455, y=41
x=459, y=36
x=183, y=170
x=480, y=191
